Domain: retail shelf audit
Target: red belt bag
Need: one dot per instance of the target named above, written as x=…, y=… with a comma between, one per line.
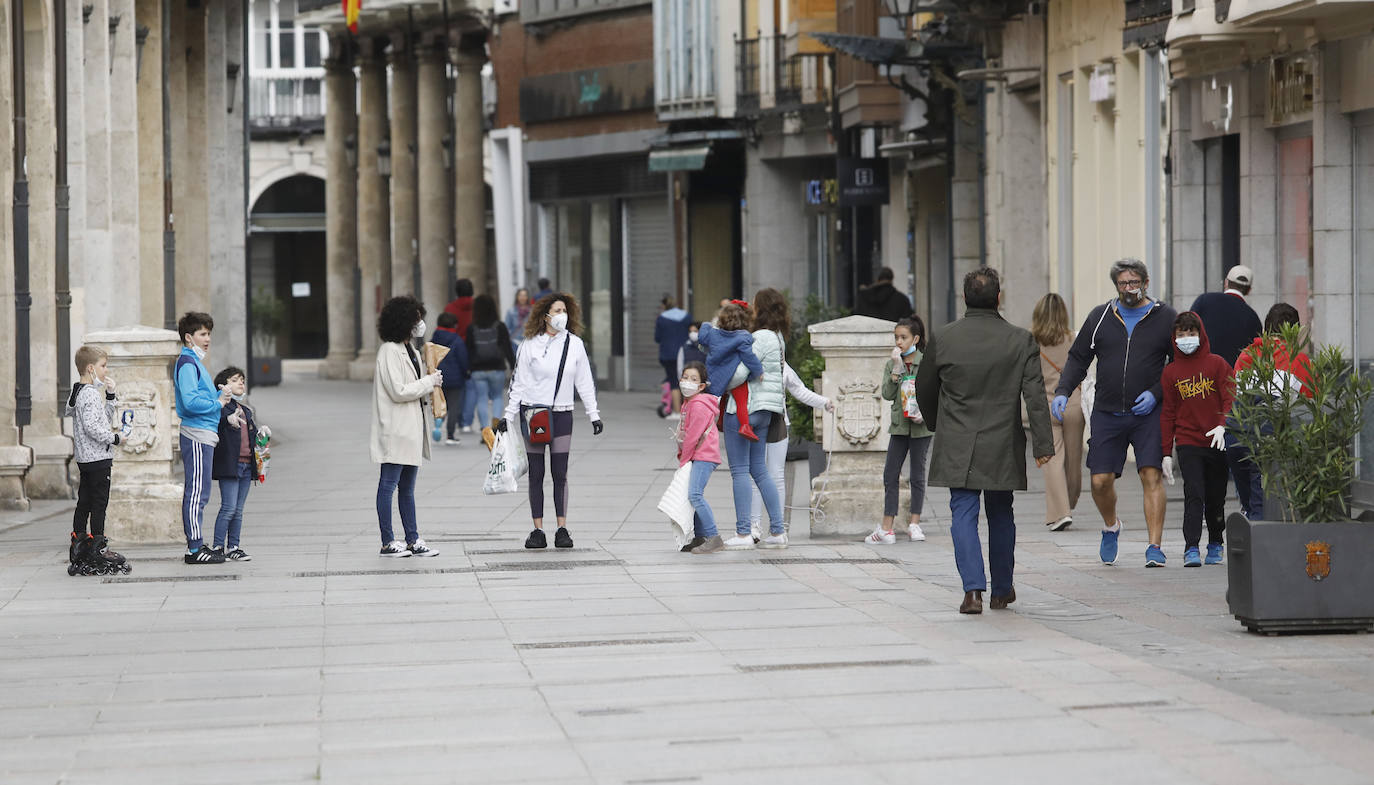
x=539, y=419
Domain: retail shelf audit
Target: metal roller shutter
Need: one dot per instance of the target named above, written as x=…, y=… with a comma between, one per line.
x=650, y=271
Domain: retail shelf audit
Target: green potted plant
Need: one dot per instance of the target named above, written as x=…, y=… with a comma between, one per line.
x=267, y=317
x=1307, y=566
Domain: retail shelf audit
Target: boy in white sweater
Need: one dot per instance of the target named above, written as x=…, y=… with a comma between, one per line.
x=91, y=407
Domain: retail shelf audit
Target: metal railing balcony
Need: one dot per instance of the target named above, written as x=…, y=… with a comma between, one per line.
x=287, y=99
x=768, y=79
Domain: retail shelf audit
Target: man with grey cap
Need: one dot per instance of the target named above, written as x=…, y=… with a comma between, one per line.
x=1230, y=322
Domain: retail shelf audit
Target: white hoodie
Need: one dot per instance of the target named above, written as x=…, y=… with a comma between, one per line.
x=536, y=372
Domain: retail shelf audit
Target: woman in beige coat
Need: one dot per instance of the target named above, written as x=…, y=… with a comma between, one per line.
x=1064, y=472
x=400, y=393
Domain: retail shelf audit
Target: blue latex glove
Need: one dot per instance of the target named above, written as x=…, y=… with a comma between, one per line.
x=1144, y=404
x=1058, y=405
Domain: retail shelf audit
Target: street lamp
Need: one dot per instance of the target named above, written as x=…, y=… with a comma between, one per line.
x=231, y=73
x=384, y=158
x=114, y=25
x=447, y=143
x=140, y=38
x=351, y=150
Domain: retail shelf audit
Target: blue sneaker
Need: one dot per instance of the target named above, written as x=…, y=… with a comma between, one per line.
x=1192, y=558
x=1214, y=552
x=1109, y=543
x=1154, y=556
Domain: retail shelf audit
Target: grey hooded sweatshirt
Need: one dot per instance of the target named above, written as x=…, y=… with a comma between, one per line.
x=92, y=432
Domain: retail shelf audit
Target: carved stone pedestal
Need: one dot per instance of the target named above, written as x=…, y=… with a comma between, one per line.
x=145, y=488
x=850, y=492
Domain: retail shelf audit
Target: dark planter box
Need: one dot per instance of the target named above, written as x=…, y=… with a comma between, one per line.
x=1300, y=577
x=266, y=371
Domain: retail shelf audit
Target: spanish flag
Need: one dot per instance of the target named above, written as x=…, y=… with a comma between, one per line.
x=351, y=9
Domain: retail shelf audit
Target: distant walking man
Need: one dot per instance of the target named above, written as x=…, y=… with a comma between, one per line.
x=881, y=300
x=1230, y=322
x=1131, y=337
x=969, y=386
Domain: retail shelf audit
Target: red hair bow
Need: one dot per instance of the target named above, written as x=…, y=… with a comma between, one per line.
x=741, y=303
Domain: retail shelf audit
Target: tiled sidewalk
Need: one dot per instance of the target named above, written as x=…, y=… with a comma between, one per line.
x=623, y=661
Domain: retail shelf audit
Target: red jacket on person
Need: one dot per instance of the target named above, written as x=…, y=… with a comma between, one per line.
x=1297, y=367
x=460, y=307
x=1198, y=389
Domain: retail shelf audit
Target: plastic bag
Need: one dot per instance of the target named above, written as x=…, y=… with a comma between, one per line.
x=675, y=505
x=508, y=464
x=908, y=394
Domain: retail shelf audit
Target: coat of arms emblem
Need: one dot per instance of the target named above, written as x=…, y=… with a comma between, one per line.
x=136, y=419
x=1318, y=560
x=858, y=412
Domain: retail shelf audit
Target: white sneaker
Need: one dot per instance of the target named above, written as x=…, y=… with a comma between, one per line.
x=914, y=531
x=467, y=429
x=452, y=442
x=880, y=537
x=740, y=542
x=774, y=541
x=1061, y=524
x=675, y=416
x=395, y=549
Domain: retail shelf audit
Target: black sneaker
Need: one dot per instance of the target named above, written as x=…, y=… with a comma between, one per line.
x=694, y=543
x=562, y=539
x=238, y=554
x=536, y=540
x=395, y=549
x=418, y=548
x=206, y=555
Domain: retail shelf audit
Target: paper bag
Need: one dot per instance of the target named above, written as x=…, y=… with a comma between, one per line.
x=434, y=354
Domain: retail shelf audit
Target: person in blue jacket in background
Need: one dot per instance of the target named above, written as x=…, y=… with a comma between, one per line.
x=455, y=369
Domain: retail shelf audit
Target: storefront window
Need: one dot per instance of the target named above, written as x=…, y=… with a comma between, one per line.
x=1295, y=224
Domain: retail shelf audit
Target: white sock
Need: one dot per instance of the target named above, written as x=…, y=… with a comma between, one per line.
x=1115, y=527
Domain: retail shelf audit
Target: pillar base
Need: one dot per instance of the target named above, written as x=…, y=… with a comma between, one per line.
x=361, y=369
x=15, y=461
x=147, y=513
x=47, y=478
x=850, y=494
x=336, y=364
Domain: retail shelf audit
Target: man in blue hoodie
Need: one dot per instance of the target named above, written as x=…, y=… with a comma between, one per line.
x=1131, y=337
x=198, y=406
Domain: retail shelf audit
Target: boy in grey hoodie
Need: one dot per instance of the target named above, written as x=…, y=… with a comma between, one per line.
x=91, y=407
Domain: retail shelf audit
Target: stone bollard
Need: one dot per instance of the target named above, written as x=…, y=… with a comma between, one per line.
x=145, y=493
x=850, y=492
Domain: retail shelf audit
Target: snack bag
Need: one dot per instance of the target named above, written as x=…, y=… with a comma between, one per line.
x=262, y=453
x=908, y=397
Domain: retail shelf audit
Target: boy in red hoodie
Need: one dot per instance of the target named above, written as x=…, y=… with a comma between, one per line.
x=1198, y=388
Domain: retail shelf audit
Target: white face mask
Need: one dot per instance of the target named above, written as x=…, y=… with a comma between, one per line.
x=692, y=337
x=419, y=331
x=688, y=388
x=1132, y=296
x=236, y=397
x=558, y=321
x=200, y=353
x=1188, y=343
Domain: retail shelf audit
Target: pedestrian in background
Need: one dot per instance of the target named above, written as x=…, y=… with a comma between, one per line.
x=908, y=437
x=517, y=315
x=545, y=289
x=455, y=368
x=691, y=350
x=671, y=329
x=1063, y=473
x=400, y=427
x=490, y=356
x=1130, y=337
x=461, y=308
x=881, y=300
x=968, y=386
x=1230, y=321
x=1198, y=389
x=551, y=364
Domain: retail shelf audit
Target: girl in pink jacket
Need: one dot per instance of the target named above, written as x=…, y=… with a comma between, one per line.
x=699, y=443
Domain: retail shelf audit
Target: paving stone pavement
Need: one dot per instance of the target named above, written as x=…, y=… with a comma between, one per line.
x=623, y=661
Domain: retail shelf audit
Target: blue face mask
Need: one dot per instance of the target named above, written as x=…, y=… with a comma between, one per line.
x=910, y=351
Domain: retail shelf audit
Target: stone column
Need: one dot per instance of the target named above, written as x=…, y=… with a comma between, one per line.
x=78, y=263
x=405, y=235
x=469, y=191
x=124, y=226
x=228, y=300
x=145, y=492
x=15, y=458
x=99, y=277
x=850, y=492
x=191, y=168
x=341, y=208
x=47, y=478
x=150, y=198
x=435, y=216
x=374, y=219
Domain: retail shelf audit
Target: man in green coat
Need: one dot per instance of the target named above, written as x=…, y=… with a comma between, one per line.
x=968, y=387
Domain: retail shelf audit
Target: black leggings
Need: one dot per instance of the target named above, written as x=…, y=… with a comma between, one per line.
x=92, y=497
x=899, y=448
x=561, y=423
x=1204, y=493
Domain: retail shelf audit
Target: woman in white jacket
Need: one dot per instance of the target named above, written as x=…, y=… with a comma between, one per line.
x=775, y=455
x=552, y=362
x=400, y=392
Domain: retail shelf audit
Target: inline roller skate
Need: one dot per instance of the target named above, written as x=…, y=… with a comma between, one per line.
x=94, y=557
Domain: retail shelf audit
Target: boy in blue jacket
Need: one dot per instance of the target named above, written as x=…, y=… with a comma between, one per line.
x=198, y=406
x=455, y=369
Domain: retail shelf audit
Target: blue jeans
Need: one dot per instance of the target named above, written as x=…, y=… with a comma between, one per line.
x=232, y=494
x=968, y=551
x=485, y=395
x=395, y=475
x=748, y=461
x=696, y=494
x=198, y=461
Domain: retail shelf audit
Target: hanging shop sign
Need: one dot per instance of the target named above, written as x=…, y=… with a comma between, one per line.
x=622, y=87
x=1292, y=85
x=820, y=195
x=862, y=181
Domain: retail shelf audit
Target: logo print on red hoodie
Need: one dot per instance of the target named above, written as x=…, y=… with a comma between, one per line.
x=1195, y=386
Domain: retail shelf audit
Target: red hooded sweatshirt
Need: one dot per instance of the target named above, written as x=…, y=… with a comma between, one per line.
x=1198, y=389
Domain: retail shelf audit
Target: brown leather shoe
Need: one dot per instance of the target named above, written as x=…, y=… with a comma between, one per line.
x=998, y=603
x=973, y=602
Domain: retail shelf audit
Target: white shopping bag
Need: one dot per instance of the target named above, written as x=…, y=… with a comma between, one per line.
x=515, y=453
x=675, y=505
x=501, y=476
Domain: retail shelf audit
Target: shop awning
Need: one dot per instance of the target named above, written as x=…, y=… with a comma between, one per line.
x=679, y=159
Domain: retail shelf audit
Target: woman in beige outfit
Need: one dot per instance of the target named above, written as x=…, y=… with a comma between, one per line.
x=400, y=418
x=1064, y=472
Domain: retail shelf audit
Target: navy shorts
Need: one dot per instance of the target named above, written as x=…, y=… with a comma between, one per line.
x=1110, y=436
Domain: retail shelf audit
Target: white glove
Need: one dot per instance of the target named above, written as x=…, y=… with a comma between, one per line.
x=897, y=362
x=1168, y=469
x=438, y=377
x=1218, y=435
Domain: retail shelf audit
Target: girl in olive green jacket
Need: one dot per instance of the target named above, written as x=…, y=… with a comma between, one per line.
x=908, y=436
